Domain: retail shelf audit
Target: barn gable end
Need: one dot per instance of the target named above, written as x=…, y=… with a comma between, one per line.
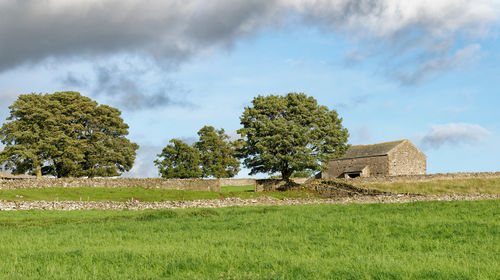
x=406, y=159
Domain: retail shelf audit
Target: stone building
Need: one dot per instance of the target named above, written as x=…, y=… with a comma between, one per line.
x=384, y=159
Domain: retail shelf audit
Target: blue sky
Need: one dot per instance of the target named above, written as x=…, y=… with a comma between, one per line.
x=420, y=70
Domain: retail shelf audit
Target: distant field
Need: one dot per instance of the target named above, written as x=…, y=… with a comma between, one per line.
x=426, y=240
x=459, y=186
x=141, y=194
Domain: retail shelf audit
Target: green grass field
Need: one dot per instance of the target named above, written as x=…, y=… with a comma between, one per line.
x=425, y=240
x=459, y=186
x=141, y=194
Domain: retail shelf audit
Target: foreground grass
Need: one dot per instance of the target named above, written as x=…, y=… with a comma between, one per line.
x=426, y=240
x=459, y=186
x=141, y=194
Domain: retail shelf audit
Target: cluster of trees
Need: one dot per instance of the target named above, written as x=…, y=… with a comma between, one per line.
x=66, y=134
x=213, y=155
x=289, y=135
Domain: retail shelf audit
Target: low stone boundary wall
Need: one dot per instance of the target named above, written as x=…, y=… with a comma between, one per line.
x=337, y=188
x=419, y=178
x=236, y=182
x=151, y=183
x=215, y=184
x=268, y=185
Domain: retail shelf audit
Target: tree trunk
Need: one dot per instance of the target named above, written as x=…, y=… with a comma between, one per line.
x=286, y=174
x=38, y=171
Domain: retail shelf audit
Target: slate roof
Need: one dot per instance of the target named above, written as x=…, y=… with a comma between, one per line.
x=380, y=149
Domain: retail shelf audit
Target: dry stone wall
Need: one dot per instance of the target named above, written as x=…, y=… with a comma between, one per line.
x=236, y=182
x=151, y=183
x=268, y=185
x=337, y=188
x=420, y=178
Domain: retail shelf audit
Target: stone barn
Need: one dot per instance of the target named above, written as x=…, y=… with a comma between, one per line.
x=383, y=159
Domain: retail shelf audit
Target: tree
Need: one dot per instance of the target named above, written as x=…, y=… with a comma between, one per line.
x=96, y=138
x=217, y=153
x=65, y=134
x=30, y=135
x=288, y=134
x=179, y=160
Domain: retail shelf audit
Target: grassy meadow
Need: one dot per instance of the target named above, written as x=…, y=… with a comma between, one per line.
x=458, y=186
x=425, y=240
x=142, y=194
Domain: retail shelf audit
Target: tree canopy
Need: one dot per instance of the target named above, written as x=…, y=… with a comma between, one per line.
x=213, y=155
x=179, y=160
x=65, y=134
x=287, y=134
x=217, y=153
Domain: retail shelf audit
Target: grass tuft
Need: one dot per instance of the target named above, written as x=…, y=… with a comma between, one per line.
x=151, y=215
x=205, y=212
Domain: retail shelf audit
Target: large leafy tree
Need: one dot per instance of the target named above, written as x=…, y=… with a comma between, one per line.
x=179, y=160
x=217, y=153
x=65, y=134
x=287, y=134
x=31, y=135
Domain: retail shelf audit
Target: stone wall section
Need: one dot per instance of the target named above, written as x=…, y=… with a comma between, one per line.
x=406, y=159
x=150, y=183
x=214, y=184
x=236, y=182
x=338, y=188
x=269, y=185
x=420, y=178
x=378, y=166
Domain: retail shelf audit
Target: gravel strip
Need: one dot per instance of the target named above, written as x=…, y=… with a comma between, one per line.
x=227, y=202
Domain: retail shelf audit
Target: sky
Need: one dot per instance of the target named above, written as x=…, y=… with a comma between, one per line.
x=423, y=70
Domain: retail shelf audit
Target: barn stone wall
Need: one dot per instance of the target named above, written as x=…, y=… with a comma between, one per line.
x=378, y=166
x=406, y=159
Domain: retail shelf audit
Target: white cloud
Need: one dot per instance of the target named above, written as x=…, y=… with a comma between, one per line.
x=453, y=134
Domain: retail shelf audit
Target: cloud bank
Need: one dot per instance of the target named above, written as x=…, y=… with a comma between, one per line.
x=453, y=134
x=416, y=39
